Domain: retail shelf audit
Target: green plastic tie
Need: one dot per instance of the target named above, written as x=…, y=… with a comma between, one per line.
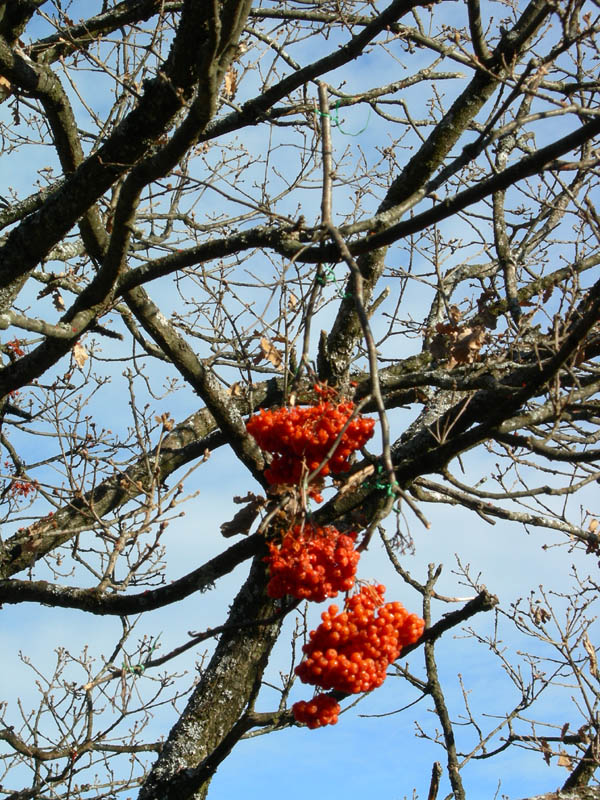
x=335, y=118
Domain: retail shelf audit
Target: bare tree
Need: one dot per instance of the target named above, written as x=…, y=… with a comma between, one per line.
x=244, y=204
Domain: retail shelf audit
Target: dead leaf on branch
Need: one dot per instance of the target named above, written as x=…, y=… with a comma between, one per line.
x=459, y=344
x=235, y=390
x=565, y=760
x=546, y=751
x=583, y=734
x=455, y=314
x=484, y=315
x=270, y=352
x=287, y=505
x=59, y=303
x=591, y=651
x=440, y=346
x=547, y=294
x=80, y=354
x=469, y=343
x=230, y=83
x=165, y=420
x=243, y=520
x=540, y=616
x=5, y=88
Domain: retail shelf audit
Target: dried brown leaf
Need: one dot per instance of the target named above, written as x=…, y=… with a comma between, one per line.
x=167, y=422
x=5, y=88
x=546, y=751
x=565, y=760
x=540, y=615
x=583, y=734
x=488, y=319
x=235, y=390
x=80, y=354
x=59, y=303
x=591, y=651
x=270, y=352
x=243, y=520
x=45, y=291
x=230, y=83
x=547, y=294
x=455, y=314
x=439, y=346
x=469, y=343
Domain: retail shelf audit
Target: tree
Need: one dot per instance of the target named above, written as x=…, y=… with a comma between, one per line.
x=196, y=189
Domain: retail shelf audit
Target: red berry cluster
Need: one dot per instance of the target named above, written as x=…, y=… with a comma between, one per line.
x=22, y=488
x=321, y=710
x=15, y=347
x=312, y=563
x=350, y=652
x=300, y=438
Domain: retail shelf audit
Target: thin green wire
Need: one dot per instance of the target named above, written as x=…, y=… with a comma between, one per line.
x=335, y=118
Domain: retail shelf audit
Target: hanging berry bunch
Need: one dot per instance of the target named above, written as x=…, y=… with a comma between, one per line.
x=312, y=563
x=350, y=652
x=300, y=438
x=321, y=710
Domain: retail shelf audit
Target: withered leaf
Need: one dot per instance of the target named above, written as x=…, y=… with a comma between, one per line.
x=593, y=525
x=564, y=760
x=583, y=734
x=239, y=500
x=439, y=346
x=165, y=420
x=468, y=344
x=546, y=751
x=45, y=291
x=243, y=520
x=455, y=314
x=540, y=616
x=59, y=303
x=485, y=316
x=230, y=82
x=5, y=88
x=270, y=352
x=547, y=294
x=80, y=354
x=235, y=390
x=591, y=651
